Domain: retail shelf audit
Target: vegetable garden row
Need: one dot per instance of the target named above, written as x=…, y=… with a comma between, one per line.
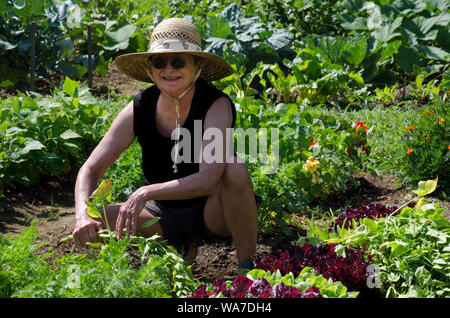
x=351, y=85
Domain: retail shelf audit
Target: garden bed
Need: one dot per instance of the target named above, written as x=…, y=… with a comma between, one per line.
x=51, y=203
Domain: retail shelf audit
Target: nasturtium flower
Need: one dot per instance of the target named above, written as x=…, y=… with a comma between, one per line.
x=409, y=151
x=311, y=165
x=412, y=127
x=316, y=178
x=441, y=120
x=427, y=112
x=360, y=124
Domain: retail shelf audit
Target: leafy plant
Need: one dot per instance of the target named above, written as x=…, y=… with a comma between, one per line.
x=264, y=284
x=135, y=267
x=418, y=30
x=54, y=131
x=411, y=249
x=244, y=41
x=350, y=267
x=61, y=39
x=48, y=135
x=426, y=141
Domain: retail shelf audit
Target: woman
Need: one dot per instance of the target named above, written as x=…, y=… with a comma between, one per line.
x=194, y=199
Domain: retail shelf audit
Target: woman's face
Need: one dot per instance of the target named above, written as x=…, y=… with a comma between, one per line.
x=171, y=75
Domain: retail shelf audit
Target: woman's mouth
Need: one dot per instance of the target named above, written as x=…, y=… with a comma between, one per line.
x=170, y=78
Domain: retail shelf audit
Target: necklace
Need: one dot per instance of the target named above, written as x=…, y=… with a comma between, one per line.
x=177, y=111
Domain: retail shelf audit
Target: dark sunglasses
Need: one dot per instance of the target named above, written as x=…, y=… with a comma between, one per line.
x=160, y=62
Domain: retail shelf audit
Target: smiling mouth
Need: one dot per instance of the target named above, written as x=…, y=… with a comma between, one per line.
x=170, y=78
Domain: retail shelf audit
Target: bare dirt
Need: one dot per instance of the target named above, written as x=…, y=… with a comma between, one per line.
x=51, y=203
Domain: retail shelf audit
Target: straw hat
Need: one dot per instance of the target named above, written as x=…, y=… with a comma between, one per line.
x=173, y=35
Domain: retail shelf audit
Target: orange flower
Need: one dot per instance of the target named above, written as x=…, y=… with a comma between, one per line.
x=448, y=147
x=426, y=112
x=313, y=143
x=409, y=151
x=412, y=127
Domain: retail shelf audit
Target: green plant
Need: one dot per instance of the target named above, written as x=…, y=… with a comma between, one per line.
x=426, y=150
x=411, y=249
x=131, y=267
x=48, y=135
x=244, y=41
x=317, y=155
x=387, y=95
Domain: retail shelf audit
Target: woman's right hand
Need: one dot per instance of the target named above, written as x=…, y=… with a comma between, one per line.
x=86, y=230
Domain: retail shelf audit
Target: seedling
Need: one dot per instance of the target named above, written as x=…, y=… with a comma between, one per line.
x=102, y=197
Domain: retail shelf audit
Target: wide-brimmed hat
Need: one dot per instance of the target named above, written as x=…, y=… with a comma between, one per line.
x=174, y=35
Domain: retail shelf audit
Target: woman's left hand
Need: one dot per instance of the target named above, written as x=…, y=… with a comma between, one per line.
x=129, y=213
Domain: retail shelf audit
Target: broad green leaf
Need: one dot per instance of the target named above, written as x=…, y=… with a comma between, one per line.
x=370, y=224
x=426, y=187
x=218, y=27
x=119, y=40
x=92, y=210
x=407, y=58
x=69, y=134
x=75, y=15
x=352, y=22
x=70, y=86
x=441, y=19
x=440, y=236
x=387, y=32
x=30, y=145
x=356, y=51
x=434, y=53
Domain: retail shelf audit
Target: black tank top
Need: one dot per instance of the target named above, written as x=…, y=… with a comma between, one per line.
x=157, y=164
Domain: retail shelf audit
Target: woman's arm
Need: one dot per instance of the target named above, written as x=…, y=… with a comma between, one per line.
x=118, y=138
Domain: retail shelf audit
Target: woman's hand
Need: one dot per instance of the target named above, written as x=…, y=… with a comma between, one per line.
x=86, y=230
x=129, y=213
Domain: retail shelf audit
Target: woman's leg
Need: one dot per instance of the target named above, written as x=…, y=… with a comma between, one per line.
x=232, y=210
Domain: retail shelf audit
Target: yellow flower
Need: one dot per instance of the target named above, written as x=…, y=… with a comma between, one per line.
x=273, y=214
x=441, y=120
x=311, y=165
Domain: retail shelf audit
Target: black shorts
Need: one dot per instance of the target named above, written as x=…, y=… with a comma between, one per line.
x=184, y=225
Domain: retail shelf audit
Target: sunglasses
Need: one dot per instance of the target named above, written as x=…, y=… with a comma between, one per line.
x=160, y=62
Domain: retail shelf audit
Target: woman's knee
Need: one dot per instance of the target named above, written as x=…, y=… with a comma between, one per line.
x=236, y=174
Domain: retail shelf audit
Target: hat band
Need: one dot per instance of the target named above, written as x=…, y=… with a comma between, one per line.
x=173, y=45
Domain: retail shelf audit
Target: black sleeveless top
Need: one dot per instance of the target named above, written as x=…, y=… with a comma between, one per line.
x=157, y=164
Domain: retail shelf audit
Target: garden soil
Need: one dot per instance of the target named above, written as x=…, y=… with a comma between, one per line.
x=51, y=203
